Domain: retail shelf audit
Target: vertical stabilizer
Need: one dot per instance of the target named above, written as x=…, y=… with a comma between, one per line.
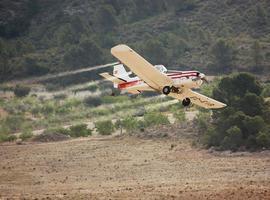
x=120, y=72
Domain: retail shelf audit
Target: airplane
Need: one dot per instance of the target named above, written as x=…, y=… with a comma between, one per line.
x=176, y=84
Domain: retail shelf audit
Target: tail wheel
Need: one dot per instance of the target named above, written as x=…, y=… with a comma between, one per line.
x=166, y=90
x=186, y=102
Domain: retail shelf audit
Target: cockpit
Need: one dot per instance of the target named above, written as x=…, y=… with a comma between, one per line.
x=161, y=68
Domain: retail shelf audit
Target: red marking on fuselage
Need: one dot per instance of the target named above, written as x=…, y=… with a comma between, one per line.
x=128, y=84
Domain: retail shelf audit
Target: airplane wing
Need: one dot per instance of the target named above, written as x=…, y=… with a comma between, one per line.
x=198, y=99
x=141, y=67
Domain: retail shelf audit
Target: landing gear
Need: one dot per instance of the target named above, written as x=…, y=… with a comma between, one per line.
x=166, y=90
x=186, y=102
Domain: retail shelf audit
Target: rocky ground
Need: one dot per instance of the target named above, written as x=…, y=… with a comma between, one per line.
x=130, y=168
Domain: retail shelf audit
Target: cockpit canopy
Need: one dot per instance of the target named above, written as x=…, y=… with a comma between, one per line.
x=161, y=68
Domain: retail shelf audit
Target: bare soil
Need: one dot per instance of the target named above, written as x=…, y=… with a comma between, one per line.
x=130, y=168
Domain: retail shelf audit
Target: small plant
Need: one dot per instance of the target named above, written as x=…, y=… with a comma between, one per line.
x=104, y=127
x=92, y=101
x=26, y=135
x=114, y=99
x=155, y=118
x=21, y=90
x=179, y=114
x=79, y=130
x=130, y=124
x=57, y=130
x=60, y=96
x=7, y=138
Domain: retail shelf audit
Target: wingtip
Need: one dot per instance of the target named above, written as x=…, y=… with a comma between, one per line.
x=119, y=48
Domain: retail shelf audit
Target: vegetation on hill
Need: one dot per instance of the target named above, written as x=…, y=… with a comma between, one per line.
x=37, y=37
x=245, y=122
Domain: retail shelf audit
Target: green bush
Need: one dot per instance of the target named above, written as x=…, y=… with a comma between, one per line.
x=155, y=118
x=104, y=127
x=26, y=135
x=179, y=115
x=130, y=124
x=233, y=138
x=60, y=96
x=114, y=99
x=92, y=101
x=21, y=90
x=57, y=130
x=91, y=88
x=79, y=130
x=202, y=121
x=14, y=122
x=243, y=123
x=7, y=138
x=266, y=90
x=48, y=108
x=263, y=139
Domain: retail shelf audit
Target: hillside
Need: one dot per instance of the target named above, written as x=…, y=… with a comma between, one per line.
x=38, y=37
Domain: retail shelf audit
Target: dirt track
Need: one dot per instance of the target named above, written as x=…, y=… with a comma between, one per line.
x=130, y=168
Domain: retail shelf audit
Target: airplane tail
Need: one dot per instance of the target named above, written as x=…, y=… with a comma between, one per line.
x=120, y=72
x=120, y=75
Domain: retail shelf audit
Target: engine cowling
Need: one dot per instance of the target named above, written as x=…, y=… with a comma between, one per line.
x=186, y=102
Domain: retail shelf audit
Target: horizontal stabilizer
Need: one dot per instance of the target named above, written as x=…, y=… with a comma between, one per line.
x=111, y=78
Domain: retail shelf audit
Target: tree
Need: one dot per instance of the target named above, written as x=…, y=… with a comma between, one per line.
x=245, y=116
x=31, y=67
x=224, y=55
x=261, y=16
x=233, y=138
x=257, y=56
x=106, y=18
x=155, y=52
x=33, y=7
x=234, y=87
x=21, y=90
x=85, y=54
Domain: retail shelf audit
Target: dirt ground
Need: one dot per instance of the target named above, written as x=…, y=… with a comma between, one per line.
x=130, y=168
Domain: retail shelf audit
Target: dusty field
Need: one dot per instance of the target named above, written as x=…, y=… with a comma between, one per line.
x=130, y=168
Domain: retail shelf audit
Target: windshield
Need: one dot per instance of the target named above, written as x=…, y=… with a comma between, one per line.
x=161, y=68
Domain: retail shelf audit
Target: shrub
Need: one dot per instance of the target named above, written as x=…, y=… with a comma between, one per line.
x=26, y=135
x=14, y=122
x=80, y=130
x=263, y=139
x=202, y=121
x=92, y=101
x=130, y=124
x=48, y=108
x=266, y=90
x=114, y=99
x=211, y=137
x=104, y=127
x=7, y=138
x=233, y=139
x=60, y=96
x=154, y=118
x=179, y=115
x=21, y=90
x=92, y=88
x=57, y=130
x=51, y=87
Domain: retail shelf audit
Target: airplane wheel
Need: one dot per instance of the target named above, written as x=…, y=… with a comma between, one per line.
x=166, y=90
x=186, y=102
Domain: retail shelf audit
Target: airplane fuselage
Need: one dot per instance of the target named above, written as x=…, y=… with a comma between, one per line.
x=181, y=79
